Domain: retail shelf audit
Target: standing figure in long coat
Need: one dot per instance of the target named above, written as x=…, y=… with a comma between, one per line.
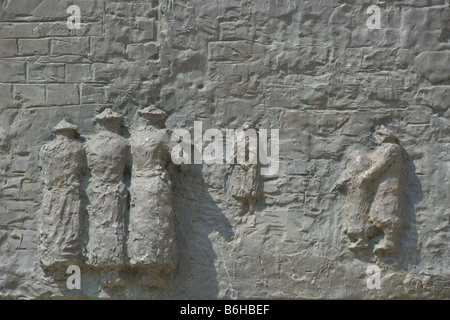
x=246, y=173
x=63, y=164
x=359, y=197
x=151, y=238
x=385, y=172
x=108, y=156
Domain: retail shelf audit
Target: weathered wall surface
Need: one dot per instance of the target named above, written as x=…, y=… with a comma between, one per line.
x=311, y=69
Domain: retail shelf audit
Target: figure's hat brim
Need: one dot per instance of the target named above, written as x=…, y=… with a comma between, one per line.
x=108, y=115
x=385, y=132
x=64, y=126
x=247, y=125
x=152, y=112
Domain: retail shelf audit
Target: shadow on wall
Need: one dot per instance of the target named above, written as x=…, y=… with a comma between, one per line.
x=411, y=196
x=197, y=218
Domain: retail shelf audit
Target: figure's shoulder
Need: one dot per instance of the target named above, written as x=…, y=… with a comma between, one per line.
x=49, y=146
x=393, y=149
x=164, y=134
x=73, y=147
x=165, y=131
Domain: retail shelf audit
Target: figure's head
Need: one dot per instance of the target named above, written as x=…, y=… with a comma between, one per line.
x=109, y=118
x=66, y=129
x=247, y=125
x=383, y=135
x=153, y=115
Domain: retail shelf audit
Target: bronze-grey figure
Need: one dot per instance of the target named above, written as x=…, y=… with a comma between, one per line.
x=374, y=196
x=359, y=197
x=246, y=173
x=151, y=240
x=385, y=173
x=108, y=156
x=60, y=222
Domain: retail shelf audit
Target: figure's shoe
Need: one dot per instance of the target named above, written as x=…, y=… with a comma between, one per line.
x=384, y=247
x=359, y=244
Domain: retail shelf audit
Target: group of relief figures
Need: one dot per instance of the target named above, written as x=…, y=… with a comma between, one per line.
x=135, y=226
x=125, y=226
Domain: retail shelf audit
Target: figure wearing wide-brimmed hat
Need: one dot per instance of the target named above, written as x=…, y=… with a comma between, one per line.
x=63, y=167
x=108, y=158
x=151, y=240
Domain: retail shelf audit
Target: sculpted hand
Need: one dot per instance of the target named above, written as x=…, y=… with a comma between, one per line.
x=363, y=178
x=342, y=183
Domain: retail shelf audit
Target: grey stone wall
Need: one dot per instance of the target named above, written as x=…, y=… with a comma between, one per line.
x=311, y=69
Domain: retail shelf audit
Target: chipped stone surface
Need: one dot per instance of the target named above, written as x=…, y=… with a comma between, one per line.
x=311, y=69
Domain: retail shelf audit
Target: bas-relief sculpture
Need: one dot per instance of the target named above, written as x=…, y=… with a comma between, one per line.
x=246, y=172
x=151, y=239
x=108, y=156
x=386, y=171
x=62, y=213
x=373, y=196
x=306, y=67
x=149, y=242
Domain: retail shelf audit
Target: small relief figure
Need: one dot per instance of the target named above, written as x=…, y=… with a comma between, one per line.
x=373, y=193
x=108, y=157
x=151, y=239
x=63, y=164
x=385, y=173
x=359, y=197
x=246, y=173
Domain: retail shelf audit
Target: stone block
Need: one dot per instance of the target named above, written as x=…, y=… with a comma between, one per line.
x=8, y=48
x=29, y=95
x=147, y=51
x=434, y=65
x=50, y=72
x=9, y=30
x=229, y=51
x=436, y=97
x=5, y=96
x=12, y=70
x=93, y=94
x=234, y=31
x=34, y=46
x=62, y=94
x=79, y=72
x=70, y=46
x=143, y=30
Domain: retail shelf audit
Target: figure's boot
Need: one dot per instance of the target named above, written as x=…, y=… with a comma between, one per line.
x=358, y=240
x=252, y=207
x=386, y=245
x=358, y=245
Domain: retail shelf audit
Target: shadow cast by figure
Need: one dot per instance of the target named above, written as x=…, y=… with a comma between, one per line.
x=412, y=194
x=198, y=220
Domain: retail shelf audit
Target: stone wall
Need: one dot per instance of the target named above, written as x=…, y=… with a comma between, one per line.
x=312, y=69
